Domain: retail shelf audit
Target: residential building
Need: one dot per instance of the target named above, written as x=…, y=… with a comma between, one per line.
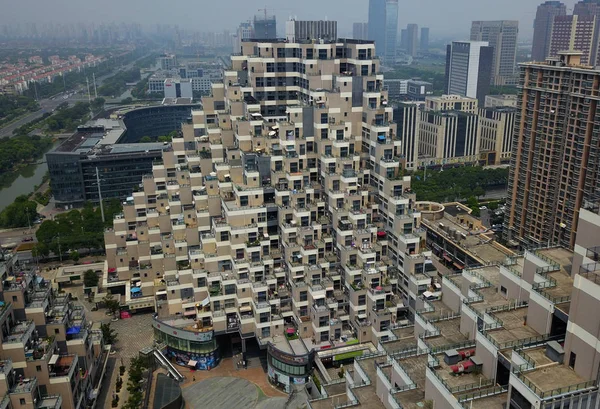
x=360, y=31
x=265, y=27
x=496, y=129
x=383, y=27
x=262, y=223
x=244, y=32
x=407, y=116
x=417, y=90
x=396, y=88
x=589, y=9
x=542, y=28
x=554, y=165
x=52, y=355
x=451, y=103
x=574, y=32
x=502, y=36
x=469, y=69
x=424, y=40
x=504, y=100
x=412, y=39
x=302, y=30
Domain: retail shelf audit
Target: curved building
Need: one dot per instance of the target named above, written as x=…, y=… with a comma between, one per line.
x=154, y=121
x=187, y=342
x=289, y=367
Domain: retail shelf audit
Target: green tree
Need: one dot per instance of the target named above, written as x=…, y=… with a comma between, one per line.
x=21, y=213
x=74, y=255
x=111, y=304
x=164, y=138
x=98, y=104
x=145, y=139
x=109, y=334
x=126, y=101
x=478, y=191
x=90, y=278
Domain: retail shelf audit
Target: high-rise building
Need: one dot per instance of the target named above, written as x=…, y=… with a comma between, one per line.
x=424, y=41
x=301, y=30
x=496, y=129
x=244, y=32
x=403, y=39
x=469, y=69
x=167, y=62
x=591, y=9
x=383, y=27
x=555, y=163
x=360, y=31
x=574, y=32
x=407, y=116
x=412, y=39
x=265, y=27
x=502, y=36
x=263, y=214
x=542, y=28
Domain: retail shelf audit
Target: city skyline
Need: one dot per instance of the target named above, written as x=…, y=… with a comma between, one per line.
x=234, y=11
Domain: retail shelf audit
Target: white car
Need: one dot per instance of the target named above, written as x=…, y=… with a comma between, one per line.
x=483, y=208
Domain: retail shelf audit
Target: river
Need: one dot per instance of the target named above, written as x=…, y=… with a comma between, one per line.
x=29, y=176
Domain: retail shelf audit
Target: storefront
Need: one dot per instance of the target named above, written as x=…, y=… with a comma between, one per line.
x=287, y=369
x=185, y=346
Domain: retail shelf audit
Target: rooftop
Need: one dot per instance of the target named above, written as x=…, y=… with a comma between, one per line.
x=554, y=379
x=513, y=327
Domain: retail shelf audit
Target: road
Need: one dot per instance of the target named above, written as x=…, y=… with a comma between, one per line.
x=48, y=104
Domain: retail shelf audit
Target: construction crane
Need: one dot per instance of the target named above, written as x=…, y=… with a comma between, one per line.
x=265, y=11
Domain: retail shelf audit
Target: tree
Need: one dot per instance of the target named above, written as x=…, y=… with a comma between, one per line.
x=109, y=334
x=127, y=100
x=21, y=213
x=478, y=192
x=90, y=278
x=98, y=104
x=111, y=304
x=74, y=255
x=145, y=139
x=164, y=138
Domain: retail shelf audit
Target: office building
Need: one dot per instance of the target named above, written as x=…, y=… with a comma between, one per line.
x=167, y=62
x=424, y=40
x=178, y=88
x=448, y=131
x=496, y=129
x=360, y=31
x=301, y=30
x=396, y=88
x=542, y=28
x=506, y=100
x=417, y=90
x=407, y=116
x=262, y=225
x=469, y=69
x=53, y=356
x=109, y=150
x=383, y=27
x=265, y=27
x=244, y=32
x=412, y=39
x=555, y=160
x=502, y=37
x=574, y=32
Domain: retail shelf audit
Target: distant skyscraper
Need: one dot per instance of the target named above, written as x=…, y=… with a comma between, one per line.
x=297, y=30
x=502, y=35
x=412, y=39
x=265, y=27
x=383, y=27
x=469, y=69
x=424, y=43
x=542, y=28
x=244, y=32
x=573, y=32
x=360, y=31
x=403, y=39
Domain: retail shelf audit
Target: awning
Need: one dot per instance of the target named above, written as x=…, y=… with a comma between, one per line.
x=447, y=257
x=290, y=331
x=138, y=284
x=245, y=309
x=73, y=330
x=362, y=315
x=255, y=114
x=53, y=359
x=458, y=265
x=192, y=363
x=189, y=313
x=427, y=294
x=272, y=133
x=161, y=292
x=205, y=301
x=136, y=290
x=381, y=234
x=112, y=270
x=227, y=176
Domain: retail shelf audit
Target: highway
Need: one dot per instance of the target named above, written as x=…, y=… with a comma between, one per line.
x=48, y=104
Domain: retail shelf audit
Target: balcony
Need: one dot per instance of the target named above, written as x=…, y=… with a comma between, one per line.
x=20, y=333
x=63, y=367
x=26, y=385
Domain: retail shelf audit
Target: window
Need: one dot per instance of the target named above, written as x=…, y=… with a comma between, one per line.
x=289, y=369
x=56, y=331
x=38, y=368
x=503, y=290
x=572, y=359
x=266, y=332
x=15, y=297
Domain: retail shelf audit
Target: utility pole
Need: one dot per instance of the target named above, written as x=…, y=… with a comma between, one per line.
x=100, y=195
x=59, y=251
x=95, y=90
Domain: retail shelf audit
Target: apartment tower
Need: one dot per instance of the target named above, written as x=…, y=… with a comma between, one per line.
x=555, y=160
x=469, y=69
x=502, y=36
x=299, y=30
x=424, y=40
x=542, y=28
x=412, y=39
x=360, y=31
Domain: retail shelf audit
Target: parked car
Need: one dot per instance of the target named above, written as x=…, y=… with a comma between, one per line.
x=26, y=239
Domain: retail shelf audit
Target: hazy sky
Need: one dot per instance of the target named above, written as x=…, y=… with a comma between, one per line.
x=443, y=16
